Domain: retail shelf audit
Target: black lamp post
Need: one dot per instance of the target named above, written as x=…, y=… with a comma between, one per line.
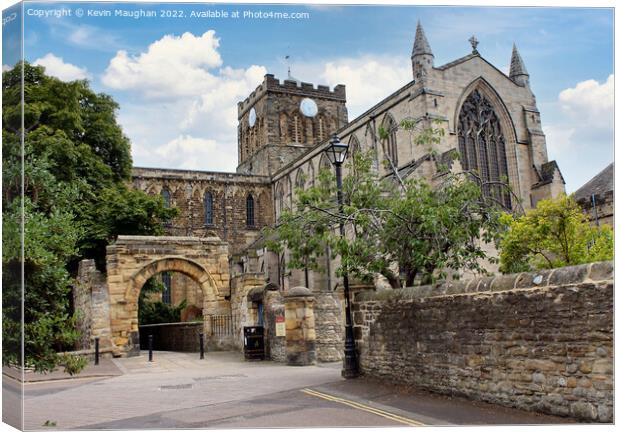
x=337, y=153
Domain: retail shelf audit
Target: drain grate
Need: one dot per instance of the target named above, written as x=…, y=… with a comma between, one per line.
x=176, y=387
x=219, y=377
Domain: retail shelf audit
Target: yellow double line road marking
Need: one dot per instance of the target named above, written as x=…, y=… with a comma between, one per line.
x=363, y=407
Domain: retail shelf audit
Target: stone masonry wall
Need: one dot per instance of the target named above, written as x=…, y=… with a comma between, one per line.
x=329, y=327
x=230, y=191
x=241, y=309
x=90, y=298
x=535, y=341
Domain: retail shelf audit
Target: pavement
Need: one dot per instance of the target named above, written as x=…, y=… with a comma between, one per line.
x=178, y=390
x=106, y=368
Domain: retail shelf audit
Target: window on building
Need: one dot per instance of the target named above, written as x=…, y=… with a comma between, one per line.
x=208, y=208
x=249, y=211
x=166, y=280
x=324, y=163
x=390, y=145
x=289, y=191
x=279, y=199
x=310, y=177
x=165, y=194
x=354, y=145
x=482, y=146
x=300, y=179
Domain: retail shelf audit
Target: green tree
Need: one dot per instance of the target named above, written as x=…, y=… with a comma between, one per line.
x=554, y=234
x=76, y=199
x=405, y=230
x=154, y=311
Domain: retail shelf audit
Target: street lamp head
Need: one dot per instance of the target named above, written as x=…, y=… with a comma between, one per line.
x=337, y=151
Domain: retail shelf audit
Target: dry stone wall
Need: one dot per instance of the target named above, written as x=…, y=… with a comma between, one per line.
x=534, y=341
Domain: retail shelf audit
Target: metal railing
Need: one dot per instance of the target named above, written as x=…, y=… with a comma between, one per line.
x=221, y=325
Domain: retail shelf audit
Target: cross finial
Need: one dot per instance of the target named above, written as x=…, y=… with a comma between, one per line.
x=474, y=44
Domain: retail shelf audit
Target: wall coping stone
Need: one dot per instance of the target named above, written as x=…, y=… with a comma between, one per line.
x=570, y=275
x=298, y=291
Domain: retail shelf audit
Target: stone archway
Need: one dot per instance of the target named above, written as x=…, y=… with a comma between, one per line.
x=132, y=260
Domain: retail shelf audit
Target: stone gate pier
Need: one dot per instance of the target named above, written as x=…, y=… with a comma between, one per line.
x=132, y=260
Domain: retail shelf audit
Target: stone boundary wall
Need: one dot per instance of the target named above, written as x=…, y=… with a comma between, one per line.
x=91, y=300
x=535, y=341
x=184, y=336
x=329, y=324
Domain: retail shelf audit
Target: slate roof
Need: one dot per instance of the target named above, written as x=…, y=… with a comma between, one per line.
x=546, y=173
x=600, y=185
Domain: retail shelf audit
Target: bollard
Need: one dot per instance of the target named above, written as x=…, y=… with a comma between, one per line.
x=202, y=346
x=96, y=351
x=150, y=347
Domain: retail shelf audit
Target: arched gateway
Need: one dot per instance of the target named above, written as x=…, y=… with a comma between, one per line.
x=132, y=260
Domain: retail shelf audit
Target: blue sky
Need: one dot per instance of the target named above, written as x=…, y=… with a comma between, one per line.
x=177, y=80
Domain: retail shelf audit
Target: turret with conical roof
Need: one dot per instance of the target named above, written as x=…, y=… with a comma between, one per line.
x=518, y=73
x=422, y=57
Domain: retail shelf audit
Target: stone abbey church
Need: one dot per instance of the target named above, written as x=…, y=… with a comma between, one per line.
x=489, y=117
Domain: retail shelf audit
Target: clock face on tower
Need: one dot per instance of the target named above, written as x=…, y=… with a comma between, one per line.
x=308, y=107
x=252, y=117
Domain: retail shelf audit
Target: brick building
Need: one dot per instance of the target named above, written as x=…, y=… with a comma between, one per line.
x=489, y=117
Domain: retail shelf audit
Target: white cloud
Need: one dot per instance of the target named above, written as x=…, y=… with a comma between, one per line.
x=189, y=152
x=583, y=125
x=368, y=79
x=590, y=102
x=182, y=99
x=6, y=68
x=56, y=66
x=171, y=67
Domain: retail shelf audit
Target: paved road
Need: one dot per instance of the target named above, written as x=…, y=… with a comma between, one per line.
x=179, y=390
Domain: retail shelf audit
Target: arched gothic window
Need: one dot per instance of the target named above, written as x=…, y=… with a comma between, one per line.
x=289, y=192
x=310, y=177
x=299, y=179
x=165, y=194
x=279, y=199
x=283, y=128
x=166, y=295
x=249, y=211
x=354, y=145
x=208, y=208
x=296, y=129
x=324, y=163
x=391, y=148
x=483, y=147
x=322, y=133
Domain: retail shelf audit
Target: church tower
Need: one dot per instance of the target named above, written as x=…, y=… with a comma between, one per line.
x=280, y=121
x=422, y=58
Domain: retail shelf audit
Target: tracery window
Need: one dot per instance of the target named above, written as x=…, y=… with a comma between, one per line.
x=391, y=148
x=208, y=208
x=249, y=210
x=483, y=147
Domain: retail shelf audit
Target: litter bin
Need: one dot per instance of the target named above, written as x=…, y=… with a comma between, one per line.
x=254, y=343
